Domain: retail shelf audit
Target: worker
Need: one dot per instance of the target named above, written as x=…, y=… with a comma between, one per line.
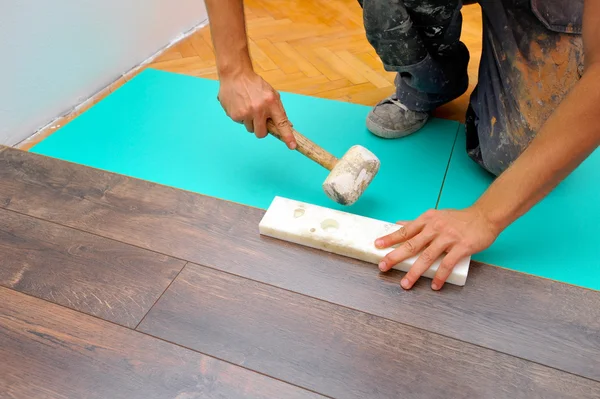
x=532, y=119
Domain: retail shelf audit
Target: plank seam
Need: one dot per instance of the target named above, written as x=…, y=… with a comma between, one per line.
x=437, y=203
x=160, y=296
x=391, y=320
x=94, y=234
x=166, y=341
x=12, y=151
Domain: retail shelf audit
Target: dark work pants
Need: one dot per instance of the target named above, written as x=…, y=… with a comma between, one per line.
x=532, y=56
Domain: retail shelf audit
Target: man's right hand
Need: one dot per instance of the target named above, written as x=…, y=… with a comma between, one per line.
x=248, y=99
x=245, y=96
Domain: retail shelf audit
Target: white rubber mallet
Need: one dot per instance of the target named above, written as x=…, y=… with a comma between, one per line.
x=349, y=176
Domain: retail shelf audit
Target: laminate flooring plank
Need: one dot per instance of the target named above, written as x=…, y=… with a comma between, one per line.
x=48, y=351
x=94, y=275
x=544, y=321
x=337, y=351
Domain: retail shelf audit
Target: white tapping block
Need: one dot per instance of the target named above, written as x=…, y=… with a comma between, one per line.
x=341, y=233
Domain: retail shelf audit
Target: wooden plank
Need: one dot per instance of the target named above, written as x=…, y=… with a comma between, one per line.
x=203, y=50
x=340, y=65
x=371, y=97
x=186, y=49
x=540, y=320
x=51, y=352
x=334, y=38
x=321, y=65
x=286, y=64
x=376, y=64
x=169, y=55
x=116, y=84
x=312, y=86
x=365, y=70
x=305, y=85
x=337, y=351
x=260, y=57
x=183, y=64
x=97, y=276
x=290, y=53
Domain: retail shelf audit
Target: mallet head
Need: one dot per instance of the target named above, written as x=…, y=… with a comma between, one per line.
x=351, y=175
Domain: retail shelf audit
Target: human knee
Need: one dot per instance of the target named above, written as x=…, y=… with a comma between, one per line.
x=389, y=29
x=385, y=19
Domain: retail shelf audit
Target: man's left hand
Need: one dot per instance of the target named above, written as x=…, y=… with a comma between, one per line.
x=458, y=233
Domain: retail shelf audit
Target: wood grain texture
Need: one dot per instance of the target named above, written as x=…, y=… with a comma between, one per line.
x=337, y=351
x=306, y=147
x=540, y=320
x=51, y=352
x=97, y=276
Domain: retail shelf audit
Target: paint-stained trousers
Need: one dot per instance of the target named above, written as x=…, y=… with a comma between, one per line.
x=532, y=56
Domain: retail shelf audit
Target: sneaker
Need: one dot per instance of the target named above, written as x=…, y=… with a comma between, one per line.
x=390, y=119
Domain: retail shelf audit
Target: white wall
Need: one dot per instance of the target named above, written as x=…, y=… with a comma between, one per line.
x=56, y=54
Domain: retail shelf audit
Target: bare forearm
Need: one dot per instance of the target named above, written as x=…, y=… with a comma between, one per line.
x=569, y=136
x=244, y=95
x=228, y=30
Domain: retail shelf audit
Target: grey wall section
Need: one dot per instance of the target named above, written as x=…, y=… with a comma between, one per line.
x=56, y=54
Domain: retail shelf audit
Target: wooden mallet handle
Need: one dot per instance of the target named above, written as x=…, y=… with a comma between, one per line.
x=306, y=147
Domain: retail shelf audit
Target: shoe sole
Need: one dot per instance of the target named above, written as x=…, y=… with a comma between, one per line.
x=392, y=134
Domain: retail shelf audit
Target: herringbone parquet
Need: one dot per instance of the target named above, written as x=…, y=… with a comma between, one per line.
x=311, y=47
x=314, y=47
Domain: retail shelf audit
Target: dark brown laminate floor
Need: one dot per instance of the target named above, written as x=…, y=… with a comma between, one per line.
x=95, y=275
x=295, y=320
x=338, y=351
x=547, y=322
x=48, y=351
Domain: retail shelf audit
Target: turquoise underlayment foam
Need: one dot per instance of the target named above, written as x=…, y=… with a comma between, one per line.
x=170, y=129
x=559, y=238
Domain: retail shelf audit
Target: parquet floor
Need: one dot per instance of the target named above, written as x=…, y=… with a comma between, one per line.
x=314, y=47
x=311, y=47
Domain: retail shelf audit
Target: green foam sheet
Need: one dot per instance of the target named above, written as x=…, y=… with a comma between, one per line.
x=558, y=239
x=170, y=129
